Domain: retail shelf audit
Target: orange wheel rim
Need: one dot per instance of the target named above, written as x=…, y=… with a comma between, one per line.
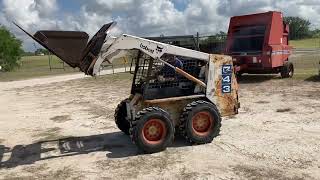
x=154, y=131
x=202, y=123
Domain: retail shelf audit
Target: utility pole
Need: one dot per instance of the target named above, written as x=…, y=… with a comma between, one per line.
x=198, y=43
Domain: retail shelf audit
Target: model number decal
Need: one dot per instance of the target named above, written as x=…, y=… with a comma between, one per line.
x=227, y=69
x=226, y=88
x=226, y=78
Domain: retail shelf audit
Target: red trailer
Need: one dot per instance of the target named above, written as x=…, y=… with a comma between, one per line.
x=258, y=44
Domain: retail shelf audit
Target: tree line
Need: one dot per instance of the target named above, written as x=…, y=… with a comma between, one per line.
x=300, y=28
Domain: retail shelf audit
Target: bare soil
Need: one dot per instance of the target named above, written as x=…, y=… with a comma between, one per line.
x=66, y=130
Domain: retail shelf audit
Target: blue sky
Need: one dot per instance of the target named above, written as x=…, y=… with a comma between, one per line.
x=69, y=5
x=143, y=17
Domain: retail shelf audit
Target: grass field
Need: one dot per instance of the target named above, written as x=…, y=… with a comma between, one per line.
x=38, y=66
x=306, y=43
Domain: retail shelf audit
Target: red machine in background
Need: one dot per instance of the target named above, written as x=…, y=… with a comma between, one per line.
x=258, y=44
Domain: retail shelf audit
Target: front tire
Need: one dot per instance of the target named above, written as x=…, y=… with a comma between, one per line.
x=200, y=122
x=152, y=130
x=120, y=115
x=239, y=76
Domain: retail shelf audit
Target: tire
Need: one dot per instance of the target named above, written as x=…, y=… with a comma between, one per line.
x=152, y=130
x=120, y=117
x=287, y=70
x=239, y=76
x=200, y=122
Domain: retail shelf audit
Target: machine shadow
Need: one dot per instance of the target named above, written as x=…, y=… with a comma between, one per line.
x=315, y=78
x=248, y=79
x=118, y=144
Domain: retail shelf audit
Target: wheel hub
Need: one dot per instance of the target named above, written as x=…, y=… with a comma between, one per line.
x=154, y=131
x=202, y=123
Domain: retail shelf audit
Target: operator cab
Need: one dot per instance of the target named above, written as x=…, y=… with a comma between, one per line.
x=155, y=80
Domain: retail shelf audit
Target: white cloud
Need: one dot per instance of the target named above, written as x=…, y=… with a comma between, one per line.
x=202, y=16
x=240, y=7
x=30, y=14
x=45, y=7
x=146, y=17
x=140, y=17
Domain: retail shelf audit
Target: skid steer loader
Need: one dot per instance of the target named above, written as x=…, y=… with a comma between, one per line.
x=173, y=88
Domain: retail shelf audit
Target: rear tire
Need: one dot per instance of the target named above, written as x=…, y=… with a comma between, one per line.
x=152, y=130
x=239, y=76
x=287, y=70
x=200, y=122
x=120, y=115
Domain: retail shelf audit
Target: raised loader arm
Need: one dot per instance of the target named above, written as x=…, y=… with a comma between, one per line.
x=73, y=48
x=117, y=47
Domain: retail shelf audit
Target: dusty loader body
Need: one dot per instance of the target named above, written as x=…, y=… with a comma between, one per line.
x=173, y=88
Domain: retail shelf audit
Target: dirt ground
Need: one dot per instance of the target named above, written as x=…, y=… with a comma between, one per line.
x=66, y=130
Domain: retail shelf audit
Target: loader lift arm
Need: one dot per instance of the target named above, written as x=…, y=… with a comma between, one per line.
x=74, y=48
x=116, y=48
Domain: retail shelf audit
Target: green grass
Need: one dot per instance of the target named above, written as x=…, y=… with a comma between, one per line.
x=306, y=43
x=38, y=66
x=306, y=65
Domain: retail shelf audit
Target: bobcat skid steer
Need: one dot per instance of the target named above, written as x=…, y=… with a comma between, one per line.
x=173, y=88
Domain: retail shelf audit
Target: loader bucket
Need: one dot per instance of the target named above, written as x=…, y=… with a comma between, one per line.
x=66, y=45
x=73, y=47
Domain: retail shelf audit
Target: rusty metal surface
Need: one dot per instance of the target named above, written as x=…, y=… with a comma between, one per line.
x=227, y=103
x=173, y=108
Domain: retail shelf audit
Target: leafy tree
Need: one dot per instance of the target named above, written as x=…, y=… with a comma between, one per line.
x=10, y=50
x=219, y=37
x=26, y=53
x=315, y=33
x=41, y=51
x=299, y=27
x=214, y=43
